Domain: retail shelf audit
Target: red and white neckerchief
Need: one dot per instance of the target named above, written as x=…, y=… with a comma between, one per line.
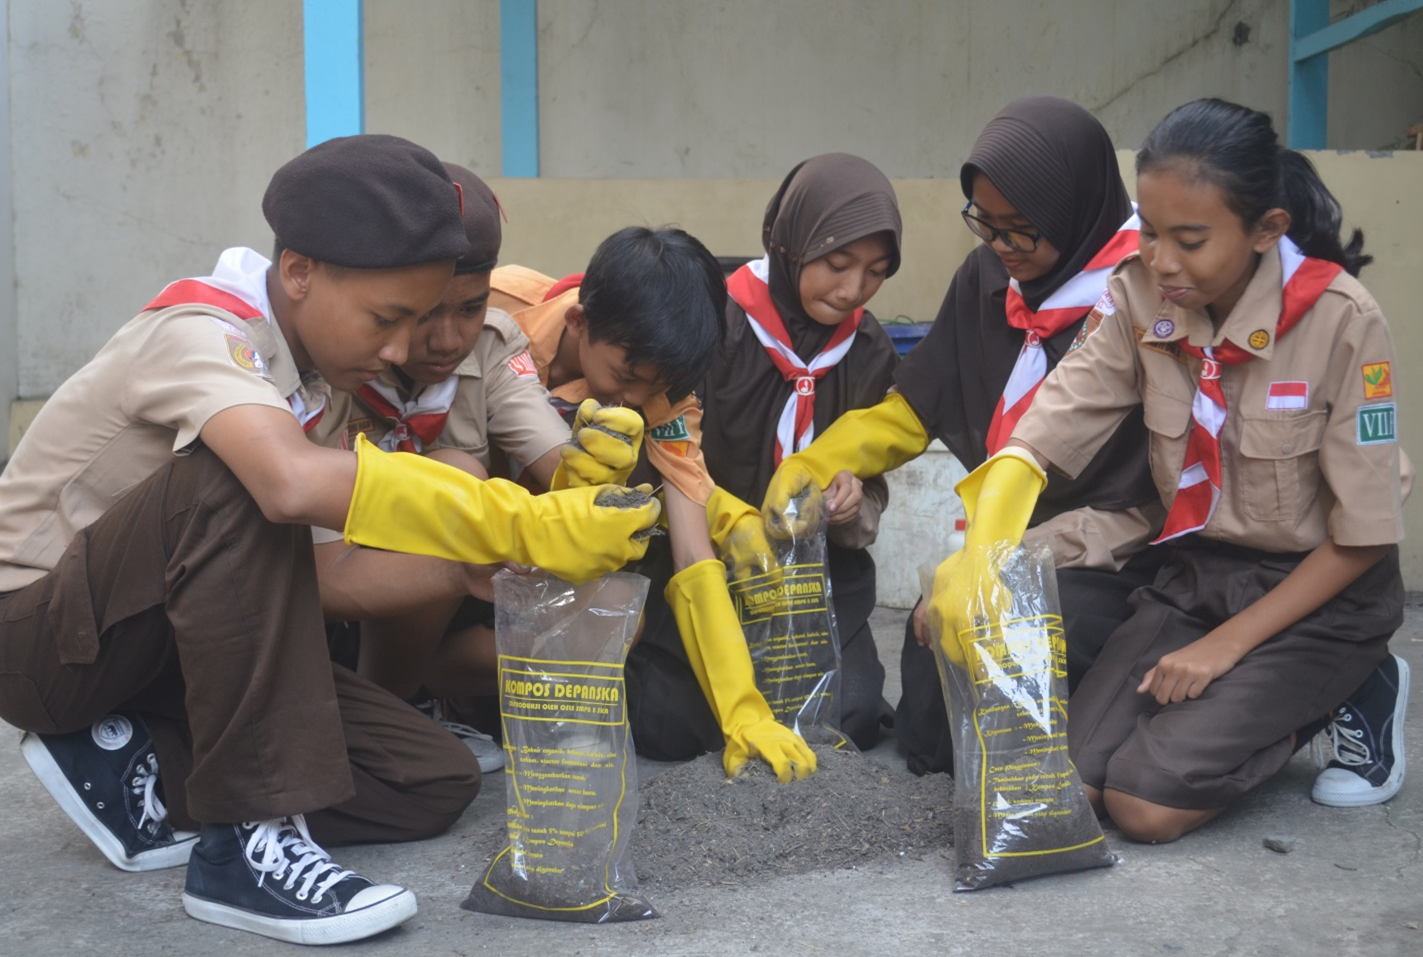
x=238, y=285
x=416, y=422
x=1068, y=303
x=1198, y=488
x=796, y=428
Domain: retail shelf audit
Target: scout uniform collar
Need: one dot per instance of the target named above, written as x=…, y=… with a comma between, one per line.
x=238, y=285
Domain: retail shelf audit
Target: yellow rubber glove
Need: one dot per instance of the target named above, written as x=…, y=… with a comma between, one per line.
x=866, y=442
x=717, y=650
x=410, y=503
x=604, y=450
x=739, y=537
x=970, y=603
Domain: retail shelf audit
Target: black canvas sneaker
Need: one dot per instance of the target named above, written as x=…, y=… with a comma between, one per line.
x=106, y=779
x=272, y=879
x=486, y=750
x=1367, y=732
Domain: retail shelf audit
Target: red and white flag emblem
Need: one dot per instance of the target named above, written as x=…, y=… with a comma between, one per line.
x=1287, y=395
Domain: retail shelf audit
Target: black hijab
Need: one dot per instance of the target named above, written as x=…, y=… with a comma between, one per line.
x=1055, y=163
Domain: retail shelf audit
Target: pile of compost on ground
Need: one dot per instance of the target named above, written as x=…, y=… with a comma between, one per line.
x=699, y=828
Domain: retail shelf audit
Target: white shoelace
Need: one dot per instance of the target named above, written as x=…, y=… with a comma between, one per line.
x=145, y=781
x=454, y=727
x=287, y=850
x=1349, y=747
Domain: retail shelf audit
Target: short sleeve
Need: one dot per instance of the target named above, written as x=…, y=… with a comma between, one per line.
x=195, y=366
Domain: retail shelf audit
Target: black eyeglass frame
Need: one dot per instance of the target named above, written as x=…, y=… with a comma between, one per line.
x=975, y=225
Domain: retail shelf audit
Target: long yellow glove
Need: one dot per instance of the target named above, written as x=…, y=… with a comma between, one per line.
x=717, y=650
x=970, y=601
x=739, y=537
x=866, y=442
x=410, y=503
x=607, y=441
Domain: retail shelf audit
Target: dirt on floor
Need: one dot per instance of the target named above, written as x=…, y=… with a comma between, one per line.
x=699, y=828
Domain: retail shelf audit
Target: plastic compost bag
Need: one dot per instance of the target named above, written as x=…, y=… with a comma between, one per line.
x=1020, y=810
x=789, y=624
x=572, y=780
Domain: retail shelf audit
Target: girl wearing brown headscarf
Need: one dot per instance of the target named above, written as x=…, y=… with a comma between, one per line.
x=1046, y=196
x=801, y=350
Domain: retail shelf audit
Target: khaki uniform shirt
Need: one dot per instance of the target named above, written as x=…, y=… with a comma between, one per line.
x=499, y=401
x=673, y=437
x=143, y=398
x=1309, y=447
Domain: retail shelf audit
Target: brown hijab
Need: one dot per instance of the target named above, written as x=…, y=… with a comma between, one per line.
x=823, y=204
x=1055, y=163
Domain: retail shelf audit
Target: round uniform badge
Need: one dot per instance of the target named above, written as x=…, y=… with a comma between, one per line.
x=1259, y=339
x=112, y=732
x=1163, y=328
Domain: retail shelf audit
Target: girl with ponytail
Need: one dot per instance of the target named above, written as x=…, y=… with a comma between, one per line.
x=1264, y=371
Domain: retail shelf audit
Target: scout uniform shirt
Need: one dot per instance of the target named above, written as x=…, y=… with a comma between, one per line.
x=1309, y=447
x=144, y=397
x=498, y=399
x=673, y=433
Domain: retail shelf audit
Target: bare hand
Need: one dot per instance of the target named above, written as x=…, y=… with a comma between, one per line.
x=1186, y=674
x=843, y=497
x=921, y=624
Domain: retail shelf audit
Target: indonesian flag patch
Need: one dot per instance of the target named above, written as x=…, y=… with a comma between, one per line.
x=1287, y=395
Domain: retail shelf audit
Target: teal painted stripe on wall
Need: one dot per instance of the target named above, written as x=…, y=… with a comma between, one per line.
x=519, y=85
x=335, y=70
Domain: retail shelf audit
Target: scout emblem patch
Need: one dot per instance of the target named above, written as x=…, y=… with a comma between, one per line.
x=672, y=436
x=1377, y=424
x=522, y=365
x=1163, y=328
x=1378, y=380
x=245, y=356
x=1287, y=395
x=1259, y=339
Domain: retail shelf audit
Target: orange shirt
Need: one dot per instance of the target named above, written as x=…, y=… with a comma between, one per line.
x=673, y=438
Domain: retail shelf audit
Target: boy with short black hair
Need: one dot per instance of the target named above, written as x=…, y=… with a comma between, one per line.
x=161, y=635
x=641, y=329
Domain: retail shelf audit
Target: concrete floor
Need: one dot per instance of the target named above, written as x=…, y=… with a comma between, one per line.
x=1353, y=885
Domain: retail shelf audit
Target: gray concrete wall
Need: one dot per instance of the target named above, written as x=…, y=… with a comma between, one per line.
x=641, y=88
x=143, y=134
x=9, y=328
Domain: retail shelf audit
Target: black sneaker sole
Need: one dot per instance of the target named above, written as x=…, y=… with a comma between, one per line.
x=338, y=929
x=59, y=787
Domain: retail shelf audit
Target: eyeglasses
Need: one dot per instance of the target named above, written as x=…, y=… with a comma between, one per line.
x=1018, y=240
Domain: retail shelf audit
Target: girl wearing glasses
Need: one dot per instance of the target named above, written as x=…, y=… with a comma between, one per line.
x=1046, y=197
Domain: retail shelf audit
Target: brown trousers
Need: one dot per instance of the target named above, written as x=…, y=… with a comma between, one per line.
x=1209, y=752
x=183, y=604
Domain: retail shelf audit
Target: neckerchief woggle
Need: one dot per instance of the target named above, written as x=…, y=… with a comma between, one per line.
x=1303, y=281
x=796, y=427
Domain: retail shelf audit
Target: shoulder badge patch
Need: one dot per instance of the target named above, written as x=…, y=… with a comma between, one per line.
x=1378, y=380
x=245, y=356
x=674, y=431
x=1377, y=424
x=522, y=365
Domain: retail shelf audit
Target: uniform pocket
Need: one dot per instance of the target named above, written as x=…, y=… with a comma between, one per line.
x=1168, y=418
x=1279, y=463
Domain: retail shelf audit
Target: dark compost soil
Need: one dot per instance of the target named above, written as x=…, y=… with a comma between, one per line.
x=697, y=828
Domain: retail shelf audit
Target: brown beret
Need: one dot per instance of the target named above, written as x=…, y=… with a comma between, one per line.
x=368, y=202
x=482, y=228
